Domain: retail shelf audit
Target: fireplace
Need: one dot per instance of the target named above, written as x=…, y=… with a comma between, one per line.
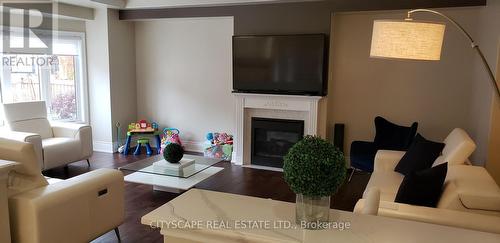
x=305, y=109
x=271, y=139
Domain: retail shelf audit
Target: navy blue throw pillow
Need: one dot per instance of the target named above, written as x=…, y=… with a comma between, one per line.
x=420, y=155
x=391, y=136
x=423, y=188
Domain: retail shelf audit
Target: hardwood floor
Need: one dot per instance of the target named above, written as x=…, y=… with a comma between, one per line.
x=141, y=199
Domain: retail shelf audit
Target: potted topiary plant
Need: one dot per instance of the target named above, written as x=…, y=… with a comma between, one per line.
x=314, y=169
x=173, y=153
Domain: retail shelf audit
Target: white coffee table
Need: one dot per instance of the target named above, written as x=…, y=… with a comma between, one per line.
x=208, y=216
x=162, y=180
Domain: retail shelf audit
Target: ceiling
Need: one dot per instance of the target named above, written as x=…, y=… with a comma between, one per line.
x=83, y=3
x=152, y=4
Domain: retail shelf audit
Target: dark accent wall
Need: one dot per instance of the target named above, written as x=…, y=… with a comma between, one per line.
x=289, y=18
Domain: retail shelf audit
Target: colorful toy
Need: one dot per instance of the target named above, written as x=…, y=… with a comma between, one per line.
x=170, y=135
x=140, y=142
x=121, y=146
x=210, y=136
x=143, y=124
x=142, y=128
x=219, y=145
x=223, y=138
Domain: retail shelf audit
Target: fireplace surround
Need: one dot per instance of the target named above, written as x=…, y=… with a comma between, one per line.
x=311, y=110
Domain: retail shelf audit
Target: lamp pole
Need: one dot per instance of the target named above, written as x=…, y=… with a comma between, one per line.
x=472, y=43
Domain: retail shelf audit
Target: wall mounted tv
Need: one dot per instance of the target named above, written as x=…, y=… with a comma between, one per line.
x=280, y=64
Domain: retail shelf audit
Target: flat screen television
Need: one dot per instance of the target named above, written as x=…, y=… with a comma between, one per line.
x=280, y=64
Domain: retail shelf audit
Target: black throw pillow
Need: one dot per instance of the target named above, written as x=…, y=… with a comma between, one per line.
x=391, y=136
x=423, y=188
x=420, y=155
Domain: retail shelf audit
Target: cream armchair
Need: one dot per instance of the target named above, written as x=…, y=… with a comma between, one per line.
x=470, y=198
x=55, y=145
x=79, y=209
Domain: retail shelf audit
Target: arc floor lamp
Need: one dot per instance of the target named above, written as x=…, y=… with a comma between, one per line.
x=417, y=40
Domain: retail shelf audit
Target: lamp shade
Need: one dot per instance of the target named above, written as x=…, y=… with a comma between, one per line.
x=407, y=39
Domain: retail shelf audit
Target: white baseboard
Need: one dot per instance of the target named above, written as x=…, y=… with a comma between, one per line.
x=193, y=146
x=235, y=160
x=103, y=146
x=189, y=145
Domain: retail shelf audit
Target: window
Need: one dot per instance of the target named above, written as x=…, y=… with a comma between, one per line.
x=57, y=79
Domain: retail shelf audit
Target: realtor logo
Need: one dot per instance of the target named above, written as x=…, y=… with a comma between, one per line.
x=27, y=27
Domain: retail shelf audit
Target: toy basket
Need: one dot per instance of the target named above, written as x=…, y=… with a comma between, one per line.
x=223, y=152
x=219, y=145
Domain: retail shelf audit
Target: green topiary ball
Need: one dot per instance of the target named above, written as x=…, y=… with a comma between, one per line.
x=314, y=167
x=173, y=153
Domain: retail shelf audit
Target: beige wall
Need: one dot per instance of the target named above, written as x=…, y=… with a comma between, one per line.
x=62, y=24
x=111, y=74
x=439, y=95
x=182, y=63
x=487, y=36
x=122, y=73
x=184, y=75
x=99, y=81
x=489, y=40
x=71, y=25
x=493, y=163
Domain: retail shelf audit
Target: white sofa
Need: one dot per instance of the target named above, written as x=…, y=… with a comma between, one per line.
x=79, y=209
x=55, y=144
x=470, y=198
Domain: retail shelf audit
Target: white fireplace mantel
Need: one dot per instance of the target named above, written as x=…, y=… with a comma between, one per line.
x=306, y=108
